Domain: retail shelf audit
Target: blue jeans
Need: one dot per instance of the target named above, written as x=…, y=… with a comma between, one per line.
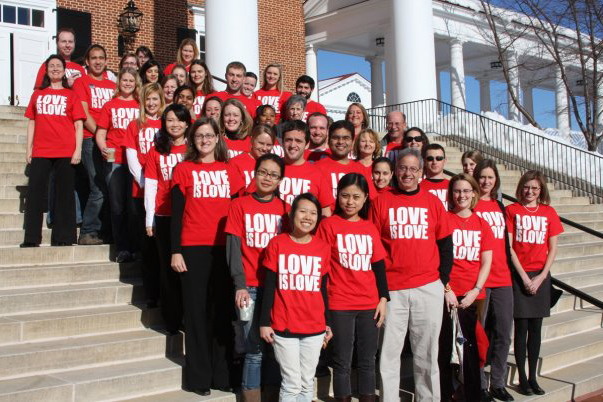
x=92, y=161
x=252, y=367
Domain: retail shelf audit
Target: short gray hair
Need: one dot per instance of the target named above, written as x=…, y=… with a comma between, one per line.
x=296, y=99
x=410, y=152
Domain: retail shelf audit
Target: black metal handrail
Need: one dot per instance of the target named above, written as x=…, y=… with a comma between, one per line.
x=222, y=80
x=570, y=167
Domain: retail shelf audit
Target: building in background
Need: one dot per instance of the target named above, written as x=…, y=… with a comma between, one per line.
x=337, y=93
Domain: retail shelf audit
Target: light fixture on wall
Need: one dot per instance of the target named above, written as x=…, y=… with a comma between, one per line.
x=496, y=65
x=380, y=42
x=128, y=23
x=580, y=83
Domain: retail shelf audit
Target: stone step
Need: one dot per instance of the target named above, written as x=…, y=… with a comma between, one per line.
x=583, y=378
x=55, y=298
x=14, y=122
x=564, y=209
x=13, y=192
x=183, y=396
x=71, y=353
x=11, y=147
x=576, y=237
x=13, y=136
x=65, y=274
x=577, y=263
x=570, y=323
x=13, y=220
x=115, y=382
x=580, y=249
x=13, y=167
x=81, y=322
x=14, y=237
x=568, y=301
x=12, y=205
x=592, y=224
x=13, y=179
x=582, y=279
x=10, y=256
x=12, y=156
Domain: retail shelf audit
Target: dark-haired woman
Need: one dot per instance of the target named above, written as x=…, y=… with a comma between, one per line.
x=357, y=287
x=200, y=79
x=54, y=143
x=235, y=124
x=212, y=107
x=202, y=186
x=253, y=220
x=262, y=142
x=499, y=291
x=185, y=95
x=151, y=72
x=416, y=138
x=265, y=114
x=143, y=54
x=161, y=161
x=294, y=309
x=382, y=174
x=533, y=226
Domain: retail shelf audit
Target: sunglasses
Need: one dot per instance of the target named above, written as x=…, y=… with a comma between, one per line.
x=415, y=139
x=434, y=158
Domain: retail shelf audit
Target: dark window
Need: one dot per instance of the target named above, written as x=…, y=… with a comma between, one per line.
x=81, y=23
x=9, y=14
x=183, y=33
x=202, y=47
x=354, y=97
x=37, y=18
x=23, y=16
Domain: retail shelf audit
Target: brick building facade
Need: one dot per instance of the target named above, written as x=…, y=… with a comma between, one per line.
x=280, y=25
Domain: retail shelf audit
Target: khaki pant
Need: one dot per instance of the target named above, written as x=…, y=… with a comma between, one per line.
x=418, y=310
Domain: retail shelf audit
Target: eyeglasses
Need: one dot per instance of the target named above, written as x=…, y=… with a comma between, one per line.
x=464, y=192
x=434, y=158
x=411, y=169
x=415, y=139
x=200, y=137
x=534, y=189
x=265, y=173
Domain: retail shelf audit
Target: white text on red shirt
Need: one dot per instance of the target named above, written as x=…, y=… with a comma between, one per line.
x=530, y=229
x=408, y=223
x=355, y=251
x=260, y=228
x=211, y=184
x=55, y=105
x=299, y=272
x=466, y=244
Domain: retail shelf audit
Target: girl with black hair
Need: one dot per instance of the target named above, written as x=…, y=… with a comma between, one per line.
x=212, y=107
x=294, y=316
x=185, y=95
x=168, y=151
x=54, y=142
x=201, y=80
x=382, y=173
x=151, y=72
x=357, y=287
x=265, y=114
x=253, y=220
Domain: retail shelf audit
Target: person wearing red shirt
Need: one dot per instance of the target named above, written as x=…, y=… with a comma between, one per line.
x=249, y=84
x=181, y=74
x=292, y=110
x=65, y=47
x=318, y=124
x=382, y=174
x=265, y=115
x=161, y=160
x=235, y=74
x=93, y=90
x=143, y=54
x=534, y=227
x=235, y=125
x=304, y=86
x=202, y=187
x=139, y=139
x=415, y=232
x=470, y=159
x=54, y=143
x=169, y=84
x=187, y=52
x=391, y=143
x=112, y=124
x=253, y=220
x=201, y=80
x=499, y=292
x=357, y=288
x=357, y=115
x=262, y=143
x=333, y=167
x=434, y=156
x=185, y=95
x=472, y=249
x=272, y=92
x=294, y=316
x=366, y=148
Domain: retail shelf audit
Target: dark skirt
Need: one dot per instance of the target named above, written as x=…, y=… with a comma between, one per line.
x=527, y=305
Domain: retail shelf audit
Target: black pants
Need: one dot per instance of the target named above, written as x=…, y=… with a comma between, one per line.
x=150, y=256
x=63, y=228
x=471, y=374
x=119, y=185
x=527, y=337
x=170, y=290
x=208, y=314
x=351, y=328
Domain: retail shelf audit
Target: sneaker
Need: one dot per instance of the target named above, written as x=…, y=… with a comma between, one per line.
x=89, y=239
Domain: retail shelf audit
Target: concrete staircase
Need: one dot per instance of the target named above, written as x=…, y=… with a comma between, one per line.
x=73, y=324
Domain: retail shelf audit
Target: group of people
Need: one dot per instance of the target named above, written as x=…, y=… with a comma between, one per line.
x=268, y=232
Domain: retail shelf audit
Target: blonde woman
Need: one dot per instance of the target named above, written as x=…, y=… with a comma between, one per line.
x=367, y=147
x=187, y=52
x=357, y=115
x=272, y=92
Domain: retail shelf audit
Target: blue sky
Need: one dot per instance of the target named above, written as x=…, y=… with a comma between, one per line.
x=332, y=64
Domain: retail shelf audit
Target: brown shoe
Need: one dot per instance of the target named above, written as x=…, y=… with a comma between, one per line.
x=251, y=395
x=89, y=240
x=367, y=398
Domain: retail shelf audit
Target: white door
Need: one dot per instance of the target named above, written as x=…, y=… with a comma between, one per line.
x=4, y=67
x=30, y=50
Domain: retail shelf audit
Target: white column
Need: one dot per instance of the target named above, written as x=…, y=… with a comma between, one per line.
x=376, y=81
x=233, y=44
x=561, y=105
x=484, y=95
x=312, y=68
x=515, y=86
x=457, y=74
x=414, y=50
x=528, y=99
x=390, y=69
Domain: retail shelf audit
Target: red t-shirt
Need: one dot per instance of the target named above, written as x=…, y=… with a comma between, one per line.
x=250, y=104
x=313, y=107
x=500, y=274
x=384, y=189
x=354, y=246
x=255, y=223
x=72, y=68
x=245, y=165
x=298, y=304
x=236, y=147
x=170, y=67
x=392, y=150
x=160, y=167
x=409, y=226
x=198, y=103
x=54, y=112
x=274, y=98
x=315, y=156
x=334, y=171
x=530, y=232
x=439, y=188
x=115, y=116
x=305, y=178
x=95, y=93
x=141, y=140
x=470, y=238
x=207, y=188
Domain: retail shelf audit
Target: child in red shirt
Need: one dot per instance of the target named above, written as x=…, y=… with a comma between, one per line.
x=357, y=286
x=294, y=310
x=54, y=141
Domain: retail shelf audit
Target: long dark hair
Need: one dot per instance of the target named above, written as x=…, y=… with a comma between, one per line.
x=309, y=197
x=353, y=179
x=46, y=79
x=488, y=163
x=207, y=85
x=274, y=158
x=146, y=66
x=220, y=152
x=163, y=142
